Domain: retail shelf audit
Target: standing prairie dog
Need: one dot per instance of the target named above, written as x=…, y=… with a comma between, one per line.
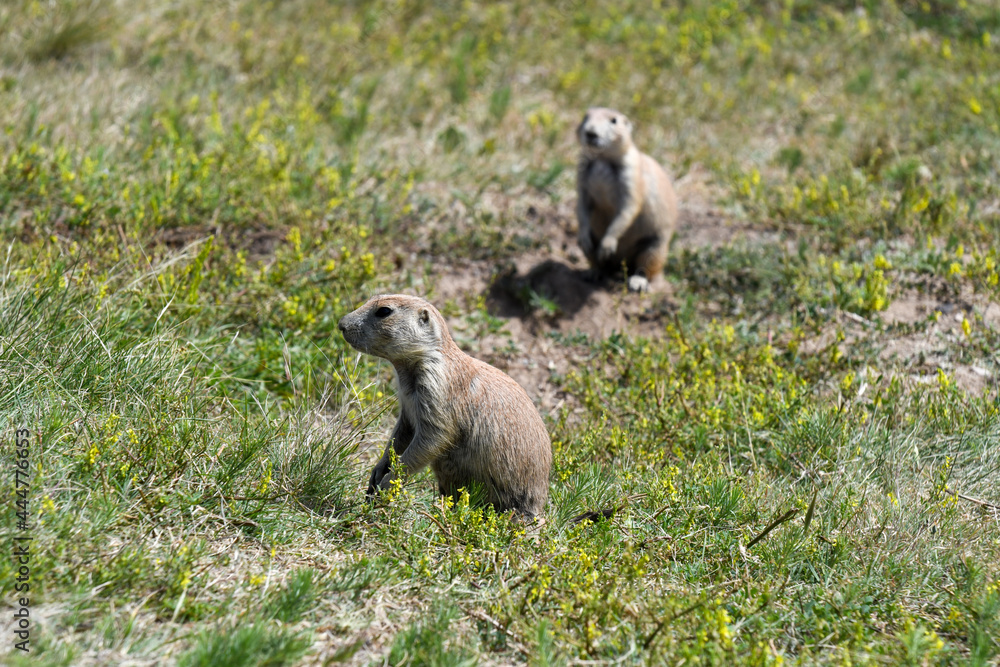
x=469, y=421
x=626, y=206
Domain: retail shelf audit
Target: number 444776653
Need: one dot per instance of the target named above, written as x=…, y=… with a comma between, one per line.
x=21, y=476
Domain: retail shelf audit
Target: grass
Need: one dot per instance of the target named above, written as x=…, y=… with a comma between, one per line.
x=802, y=449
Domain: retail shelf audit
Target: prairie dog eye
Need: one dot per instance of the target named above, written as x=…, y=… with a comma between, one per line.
x=384, y=311
x=614, y=120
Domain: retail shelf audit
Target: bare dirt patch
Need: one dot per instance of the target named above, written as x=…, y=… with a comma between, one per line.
x=913, y=306
x=545, y=293
x=920, y=333
x=920, y=354
x=703, y=224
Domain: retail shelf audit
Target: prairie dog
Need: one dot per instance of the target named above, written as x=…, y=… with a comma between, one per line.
x=467, y=420
x=626, y=206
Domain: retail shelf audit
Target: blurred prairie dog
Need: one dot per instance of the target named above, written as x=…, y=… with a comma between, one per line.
x=470, y=422
x=626, y=206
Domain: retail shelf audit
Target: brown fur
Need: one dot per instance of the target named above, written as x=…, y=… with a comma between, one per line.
x=626, y=205
x=470, y=422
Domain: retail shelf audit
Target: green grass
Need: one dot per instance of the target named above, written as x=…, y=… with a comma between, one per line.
x=247, y=645
x=192, y=195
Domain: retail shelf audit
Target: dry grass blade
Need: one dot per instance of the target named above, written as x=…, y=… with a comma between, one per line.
x=809, y=512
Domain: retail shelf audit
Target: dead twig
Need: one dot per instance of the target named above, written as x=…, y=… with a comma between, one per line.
x=596, y=514
x=977, y=501
x=607, y=513
x=774, y=524
x=439, y=525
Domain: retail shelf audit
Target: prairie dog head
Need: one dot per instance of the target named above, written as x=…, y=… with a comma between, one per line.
x=395, y=327
x=604, y=133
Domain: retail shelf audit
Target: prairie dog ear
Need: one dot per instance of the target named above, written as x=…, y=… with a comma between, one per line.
x=424, y=316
